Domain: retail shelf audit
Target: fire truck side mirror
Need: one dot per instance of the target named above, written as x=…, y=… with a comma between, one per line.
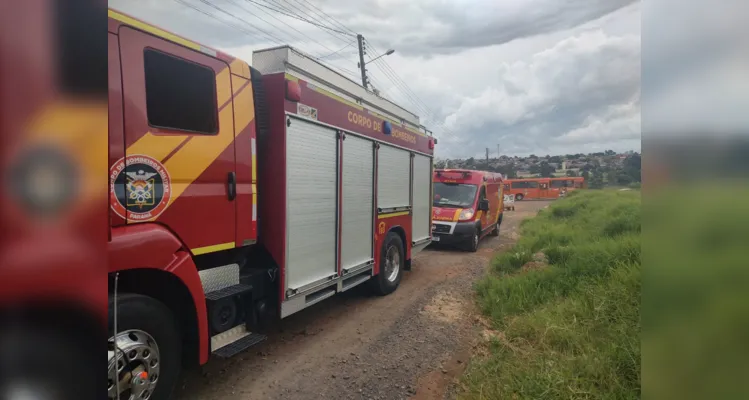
x=484, y=205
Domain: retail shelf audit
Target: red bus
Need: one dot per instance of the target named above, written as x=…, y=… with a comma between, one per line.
x=568, y=183
x=543, y=188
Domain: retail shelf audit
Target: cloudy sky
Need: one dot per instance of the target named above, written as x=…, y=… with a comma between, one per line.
x=532, y=76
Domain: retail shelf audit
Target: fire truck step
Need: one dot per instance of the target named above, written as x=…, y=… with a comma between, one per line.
x=355, y=281
x=228, y=291
x=248, y=340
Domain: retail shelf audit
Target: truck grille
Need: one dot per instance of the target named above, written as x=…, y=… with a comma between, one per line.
x=440, y=228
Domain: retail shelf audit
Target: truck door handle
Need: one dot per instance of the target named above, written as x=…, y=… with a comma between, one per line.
x=232, y=185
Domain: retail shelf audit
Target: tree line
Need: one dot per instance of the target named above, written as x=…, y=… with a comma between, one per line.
x=597, y=175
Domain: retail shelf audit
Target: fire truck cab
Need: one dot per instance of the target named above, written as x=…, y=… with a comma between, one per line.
x=241, y=193
x=468, y=205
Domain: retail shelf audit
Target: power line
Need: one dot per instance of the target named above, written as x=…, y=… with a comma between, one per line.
x=341, y=25
x=341, y=70
x=246, y=32
x=385, y=68
x=298, y=10
x=408, y=92
x=339, y=50
x=295, y=38
x=269, y=35
x=295, y=16
x=273, y=16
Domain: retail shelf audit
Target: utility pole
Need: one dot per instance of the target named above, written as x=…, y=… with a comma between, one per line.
x=360, y=39
x=497, y=151
x=487, y=158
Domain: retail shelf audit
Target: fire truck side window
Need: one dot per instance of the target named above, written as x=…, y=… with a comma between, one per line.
x=532, y=185
x=180, y=94
x=558, y=184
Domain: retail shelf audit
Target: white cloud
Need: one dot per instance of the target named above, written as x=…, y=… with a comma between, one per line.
x=584, y=89
x=537, y=76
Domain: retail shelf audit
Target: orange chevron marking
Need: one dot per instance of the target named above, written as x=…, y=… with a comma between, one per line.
x=156, y=146
x=243, y=101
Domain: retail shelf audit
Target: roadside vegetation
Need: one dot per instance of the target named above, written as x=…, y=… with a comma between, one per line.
x=561, y=309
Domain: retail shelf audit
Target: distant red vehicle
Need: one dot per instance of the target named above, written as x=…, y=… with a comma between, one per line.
x=568, y=184
x=543, y=188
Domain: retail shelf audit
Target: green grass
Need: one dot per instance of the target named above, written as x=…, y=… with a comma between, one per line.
x=572, y=329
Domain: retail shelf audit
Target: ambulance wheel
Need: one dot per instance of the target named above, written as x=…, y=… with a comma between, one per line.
x=473, y=244
x=495, y=231
x=147, y=357
x=392, y=262
x=518, y=197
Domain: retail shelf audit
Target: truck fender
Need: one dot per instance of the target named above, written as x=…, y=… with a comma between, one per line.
x=402, y=233
x=153, y=246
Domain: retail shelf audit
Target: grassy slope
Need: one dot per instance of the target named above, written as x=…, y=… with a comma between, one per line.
x=570, y=330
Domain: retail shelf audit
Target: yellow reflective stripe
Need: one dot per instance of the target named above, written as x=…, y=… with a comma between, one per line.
x=337, y=97
x=391, y=215
x=153, y=30
x=214, y=248
x=254, y=160
x=254, y=202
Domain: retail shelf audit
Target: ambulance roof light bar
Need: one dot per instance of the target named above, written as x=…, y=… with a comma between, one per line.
x=466, y=174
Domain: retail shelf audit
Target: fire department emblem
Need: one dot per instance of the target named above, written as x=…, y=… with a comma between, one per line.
x=140, y=188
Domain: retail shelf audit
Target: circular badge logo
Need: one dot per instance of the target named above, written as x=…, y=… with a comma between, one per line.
x=139, y=188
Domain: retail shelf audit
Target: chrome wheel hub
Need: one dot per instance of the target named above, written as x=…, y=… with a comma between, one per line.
x=392, y=263
x=134, y=365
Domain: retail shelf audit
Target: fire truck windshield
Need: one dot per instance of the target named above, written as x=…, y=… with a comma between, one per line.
x=453, y=194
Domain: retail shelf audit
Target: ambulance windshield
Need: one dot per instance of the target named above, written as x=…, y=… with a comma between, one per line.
x=453, y=194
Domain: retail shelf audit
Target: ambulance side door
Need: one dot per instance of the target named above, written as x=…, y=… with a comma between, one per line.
x=485, y=215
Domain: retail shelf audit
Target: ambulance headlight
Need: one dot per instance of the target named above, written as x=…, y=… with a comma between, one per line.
x=466, y=214
x=43, y=181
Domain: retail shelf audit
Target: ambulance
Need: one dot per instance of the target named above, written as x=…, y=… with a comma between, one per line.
x=467, y=206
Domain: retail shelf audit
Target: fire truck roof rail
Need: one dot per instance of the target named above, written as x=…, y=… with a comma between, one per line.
x=286, y=59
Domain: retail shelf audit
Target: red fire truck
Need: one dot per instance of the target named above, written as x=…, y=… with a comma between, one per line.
x=241, y=193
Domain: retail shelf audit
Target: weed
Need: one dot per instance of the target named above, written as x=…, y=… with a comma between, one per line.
x=570, y=330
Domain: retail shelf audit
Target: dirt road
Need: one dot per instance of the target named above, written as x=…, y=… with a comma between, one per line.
x=412, y=343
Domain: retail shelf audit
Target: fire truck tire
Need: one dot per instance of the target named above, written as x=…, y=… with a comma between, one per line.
x=148, y=331
x=518, y=197
x=392, y=263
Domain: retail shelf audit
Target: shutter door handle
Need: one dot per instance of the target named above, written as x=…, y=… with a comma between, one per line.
x=232, y=185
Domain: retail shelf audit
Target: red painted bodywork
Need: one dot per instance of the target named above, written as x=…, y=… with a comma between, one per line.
x=494, y=188
x=58, y=259
x=336, y=113
x=402, y=222
x=272, y=161
x=158, y=248
x=545, y=188
x=202, y=215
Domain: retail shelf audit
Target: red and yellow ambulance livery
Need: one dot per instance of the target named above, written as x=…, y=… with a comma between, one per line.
x=468, y=205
